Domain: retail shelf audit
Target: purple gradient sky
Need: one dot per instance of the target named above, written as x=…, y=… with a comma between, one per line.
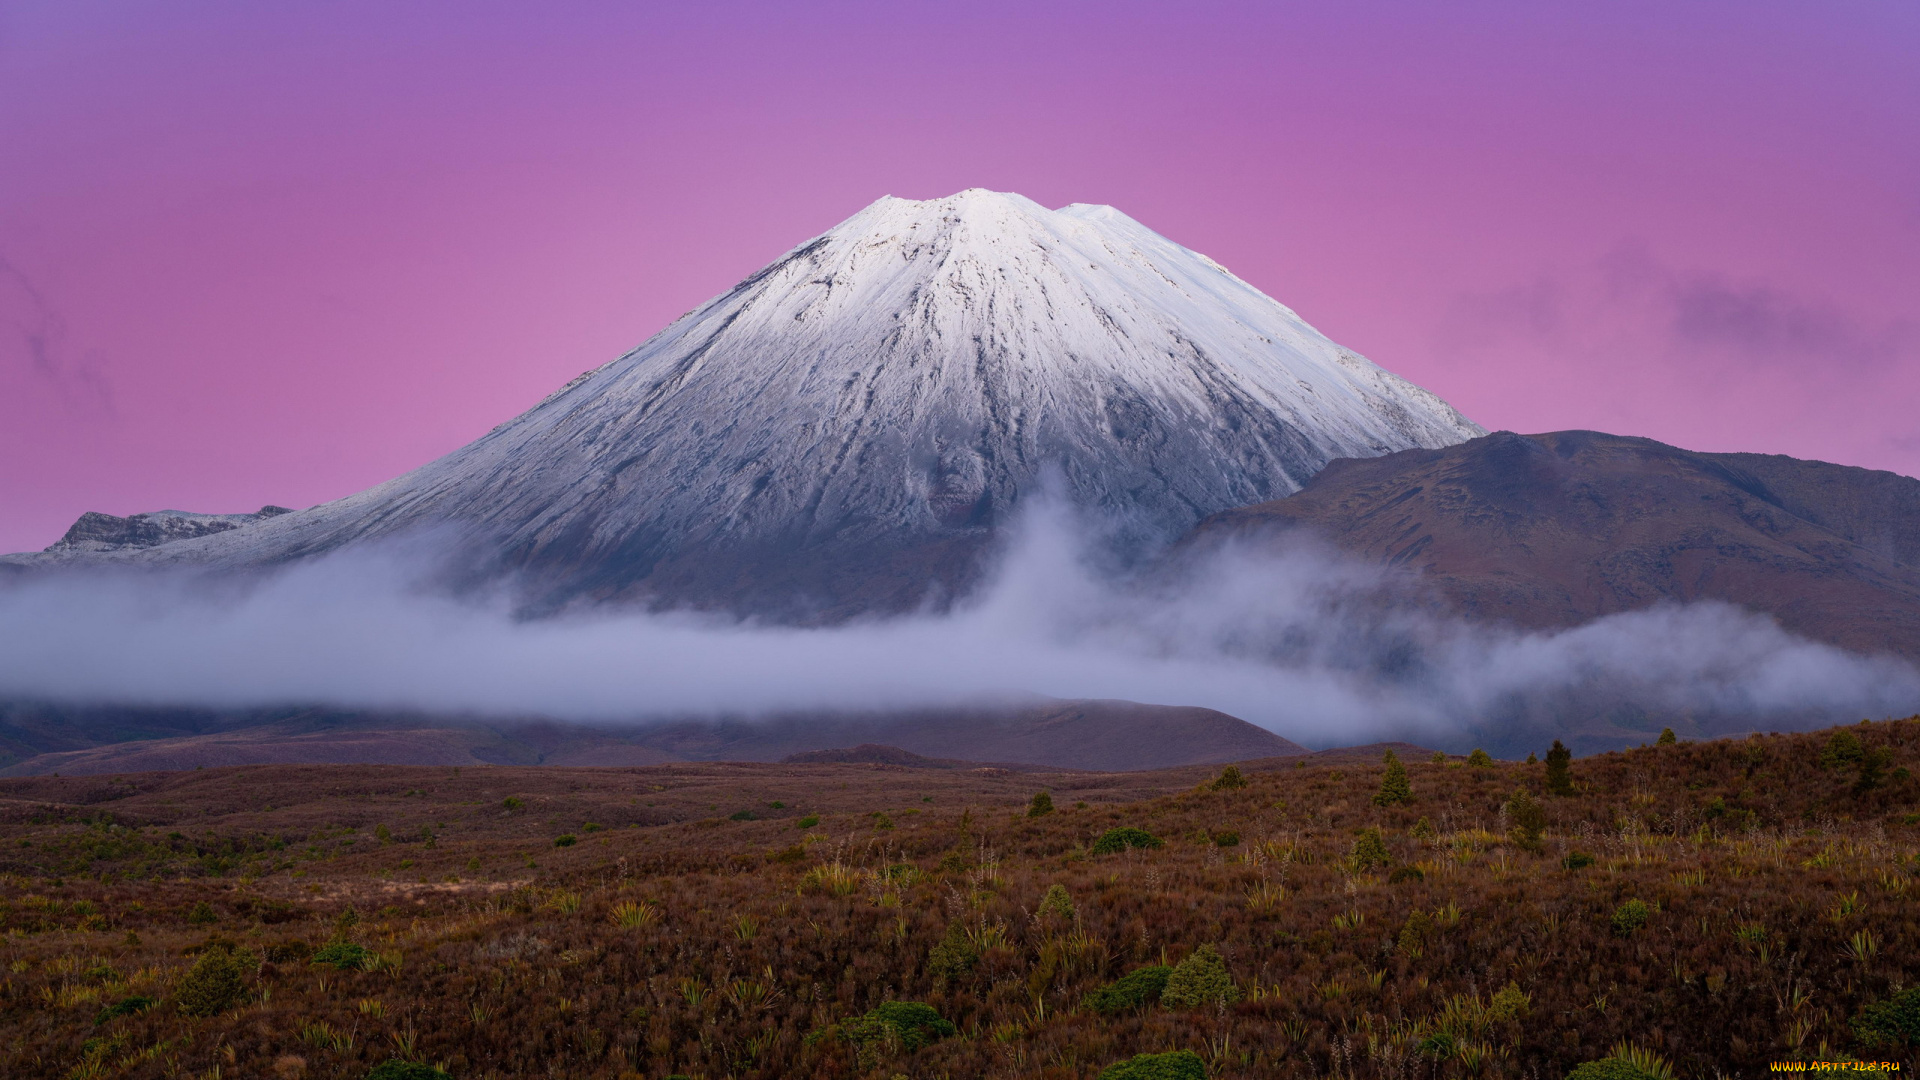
x=259, y=253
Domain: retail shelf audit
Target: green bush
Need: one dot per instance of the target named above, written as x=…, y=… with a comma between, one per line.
x=1529, y=821
x=1843, y=748
x=1199, y=980
x=344, y=955
x=1480, y=759
x=1894, y=1022
x=1230, y=779
x=1667, y=737
x=737, y=815
x=807, y=822
x=1630, y=916
x=1226, y=838
x=1610, y=1069
x=1138, y=987
x=1120, y=839
x=396, y=1069
x=955, y=955
x=1178, y=1065
x=1057, y=903
x=124, y=1007
x=565, y=840
x=1041, y=806
x=212, y=986
x=1370, y=850
x=1577, y=860
x=202, y=914
x=908, y=1024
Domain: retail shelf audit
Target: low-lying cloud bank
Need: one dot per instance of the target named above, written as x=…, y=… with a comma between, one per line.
x=1304, y=642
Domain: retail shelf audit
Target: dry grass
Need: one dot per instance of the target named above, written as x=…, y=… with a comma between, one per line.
x=672, y=938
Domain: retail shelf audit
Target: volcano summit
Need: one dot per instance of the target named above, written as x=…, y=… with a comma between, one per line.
x=842, y=431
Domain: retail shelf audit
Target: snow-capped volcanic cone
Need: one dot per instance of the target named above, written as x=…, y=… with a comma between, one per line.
x=842, y=430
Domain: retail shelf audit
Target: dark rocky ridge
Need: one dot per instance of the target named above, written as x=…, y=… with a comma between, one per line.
x=1552, y=530
x=95, y=531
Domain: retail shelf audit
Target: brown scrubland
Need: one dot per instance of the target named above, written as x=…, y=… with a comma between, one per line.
x=1713, y=906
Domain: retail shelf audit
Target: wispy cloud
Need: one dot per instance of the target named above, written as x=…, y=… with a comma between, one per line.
x=35, y=343
x=1300, y=640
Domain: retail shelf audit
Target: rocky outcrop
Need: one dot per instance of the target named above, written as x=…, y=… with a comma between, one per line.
x=105, y=532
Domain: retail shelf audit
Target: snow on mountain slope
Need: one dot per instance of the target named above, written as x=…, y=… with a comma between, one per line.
x=846, y=426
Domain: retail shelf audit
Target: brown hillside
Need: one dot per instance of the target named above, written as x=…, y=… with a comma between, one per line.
x=1552, y=530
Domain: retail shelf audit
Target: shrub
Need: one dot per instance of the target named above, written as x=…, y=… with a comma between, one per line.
x=1667, y=738
x=634, y=915
x=1040, y=806
x=1422, y=830
x=737, y=815
x=1510, y=1003
x=1394, y=786
x=1369, y=850
x=1480, y=759
x=1199, y=980
x=908, y=1025
x=212, y=985
x=396, y=1069
x=1630, y=916
x=201, y=914
x=1057, y=903
x=124, y=1007
x=955, y=955
x=511, y=803
x=1413, y=936
x=1559, y=770
x=1178, y=1065
x=1405, y=873
x=1138, y=987
x=1627, y=1062
x=1529, y=821
x=807, y=822
x=343, y=955
x=1229, y=779
x=1226, y=838
x=1577, y=860
x=1610, y=1069
x=1893, y=1022
x=565, y=840
x=1125, y=837
x=1843, y=748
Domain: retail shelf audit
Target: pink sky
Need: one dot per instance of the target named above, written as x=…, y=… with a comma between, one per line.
x=256, y=253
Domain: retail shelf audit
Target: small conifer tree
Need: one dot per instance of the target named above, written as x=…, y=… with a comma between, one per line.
x=1529, y=821
x=1667, y=737
x=212, y=985
x=955, y=955
x=1394, y=786
x=1199, y=980
x=1533, y=759
x=1041, y=806
x=1439, y=757
x=1370, y=850
x=1559, y=770
x=1057, y=903
x=1229, y=779
x=1480, y=759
